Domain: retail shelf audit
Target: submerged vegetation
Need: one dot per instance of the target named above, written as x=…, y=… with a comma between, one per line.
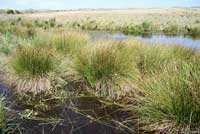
x=45, y=64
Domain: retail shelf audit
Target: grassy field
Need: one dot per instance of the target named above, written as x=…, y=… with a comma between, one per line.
x=175, y=21
x=158, y=85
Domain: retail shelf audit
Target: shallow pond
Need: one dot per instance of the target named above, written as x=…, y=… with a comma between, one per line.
x=92, y=117
x=180, y=40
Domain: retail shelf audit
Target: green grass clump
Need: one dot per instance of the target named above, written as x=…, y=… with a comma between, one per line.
x=6, y=43
x=69, y=43
x=152, y=58
x=173, y=100
x=106, y=67
x=134, y=29
x=33, y=61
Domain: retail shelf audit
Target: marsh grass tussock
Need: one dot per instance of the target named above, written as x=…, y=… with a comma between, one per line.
x=32, y=61
x=107, y=68
x=31, y=67
x=151, y=59
x=172, y=99
x=69, y=43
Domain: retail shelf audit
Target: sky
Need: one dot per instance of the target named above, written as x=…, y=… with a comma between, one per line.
x=77, y=4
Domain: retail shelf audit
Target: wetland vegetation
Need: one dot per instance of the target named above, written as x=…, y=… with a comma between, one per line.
x=55, y=78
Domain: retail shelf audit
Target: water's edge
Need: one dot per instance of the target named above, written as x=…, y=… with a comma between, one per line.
x=155, y=38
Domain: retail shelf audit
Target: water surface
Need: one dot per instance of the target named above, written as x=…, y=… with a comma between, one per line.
x=180, y=40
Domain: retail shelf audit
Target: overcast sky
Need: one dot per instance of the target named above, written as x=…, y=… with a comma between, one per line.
x=76, y=4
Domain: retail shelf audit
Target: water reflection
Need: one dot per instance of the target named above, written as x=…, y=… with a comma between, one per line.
x=184, y=40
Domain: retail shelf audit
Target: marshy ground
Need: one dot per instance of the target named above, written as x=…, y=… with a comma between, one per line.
x=57, y=77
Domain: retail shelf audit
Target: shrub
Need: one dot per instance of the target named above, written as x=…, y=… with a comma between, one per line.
x=52, y=22
x=18, y=12
x=107, y=68
x=173, y=100
x=10, y=11
x=70, y=43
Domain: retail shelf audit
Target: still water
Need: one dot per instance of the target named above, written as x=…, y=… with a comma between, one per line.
x=180, y=40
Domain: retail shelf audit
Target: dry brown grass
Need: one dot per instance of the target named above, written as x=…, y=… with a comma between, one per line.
x=120, y=16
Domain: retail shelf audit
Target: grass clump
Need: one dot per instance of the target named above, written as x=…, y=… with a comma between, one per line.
x=151, y=59
x=172, y=100
x=134, y=29
x=70, y=43
x=32, y=66
x=32, y=61
x=107, y=68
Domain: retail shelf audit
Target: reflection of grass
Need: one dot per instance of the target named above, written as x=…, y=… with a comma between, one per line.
x=5, y=127
x=194, y=32
x=2, y=113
